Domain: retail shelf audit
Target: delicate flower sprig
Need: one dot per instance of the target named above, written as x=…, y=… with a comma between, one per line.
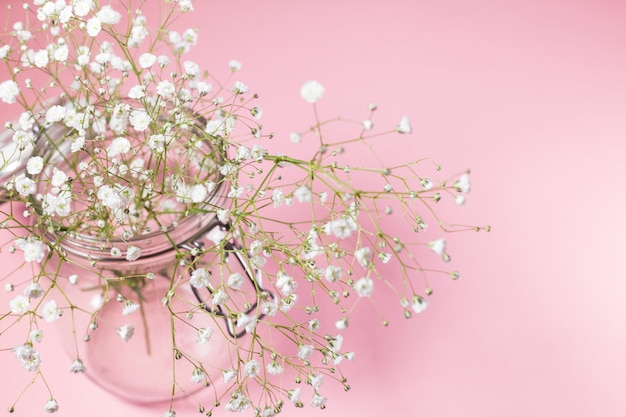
x=130, y=163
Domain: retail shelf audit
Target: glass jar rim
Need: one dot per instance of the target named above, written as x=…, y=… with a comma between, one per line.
x=94, y=247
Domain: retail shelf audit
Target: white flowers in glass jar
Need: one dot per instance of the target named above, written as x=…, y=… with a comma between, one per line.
x=138, y=177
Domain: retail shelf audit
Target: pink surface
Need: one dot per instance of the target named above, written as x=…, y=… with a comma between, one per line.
x=531, y=95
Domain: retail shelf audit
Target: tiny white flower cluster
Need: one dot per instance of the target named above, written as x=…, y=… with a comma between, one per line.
x=138, y=146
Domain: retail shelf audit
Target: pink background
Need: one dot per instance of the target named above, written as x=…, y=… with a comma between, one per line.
x=531, y=95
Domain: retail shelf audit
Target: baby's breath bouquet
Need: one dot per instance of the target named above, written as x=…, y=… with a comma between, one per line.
x=148, y=210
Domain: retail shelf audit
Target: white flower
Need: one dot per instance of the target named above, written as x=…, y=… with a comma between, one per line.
x=198, y=375
x=200, y=278
x=157, y=143
x=239, y=88
x=185, y=5
x=438, y=246
x=169, y=413
x=204, y=88
x=269, y=308
x=109, y=197
x=268, y=412
x=251, y=368
x=133, y=253
x=82, y=56
x=303, y=194
x=34, y=165
x=221, y=127
x=228, y=375
x=257, y=152
x=139, y=32
x=94, y=26
x=129, y=307
x=19, y=305
x=234, y=65
x=459, y=200
x=77, y=367
x=274, y=368
x=243, y=153
x=364, y=287
x=137, y=92
x=312, y=247
x=295, y=137
x=305, y=352
x=312, y=91
x=314, y=325
x=288, y=302
x=22, y=138
x=126, y=332
x=238, y=403
x=35, y=336
x=61, y=53
x=59, y=205
x=29, y=357
x=204, y=335
x=333, y=273
x=219, y=297
x=147, y=60
x=342, y=324
x=25, y=186
x=26, y=120
x=119, y=145
x=285, y=283
x=257, y=112
x=368, y=124
x=58, y=177
x=278, y=197
x=55, y=114
x=384, y=257
x=51, y=406
x=82, y=7
x=4, y=51
x=318, y=401
x=198, y=193
x=139, y=120
x=40, y=59
x=235, y=281
x=462, y=184
x=50, y=312
x=223, y=215
x=166, y=89
x=316, y=381
x=191, y=68
x=334, y=343
x=190, y=36
x=341, y=228
x=97, y=301
x=66, y=14
x=108, y=16
x=363, y=256
x=404, y=126
x=294, y=395
x=248, y=322
x=33, y=290
x=34, y=250
x=163, y=60
x=419, y=304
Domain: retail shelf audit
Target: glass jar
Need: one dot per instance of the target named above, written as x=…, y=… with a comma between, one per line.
x=136, y=326
x=142, y=368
